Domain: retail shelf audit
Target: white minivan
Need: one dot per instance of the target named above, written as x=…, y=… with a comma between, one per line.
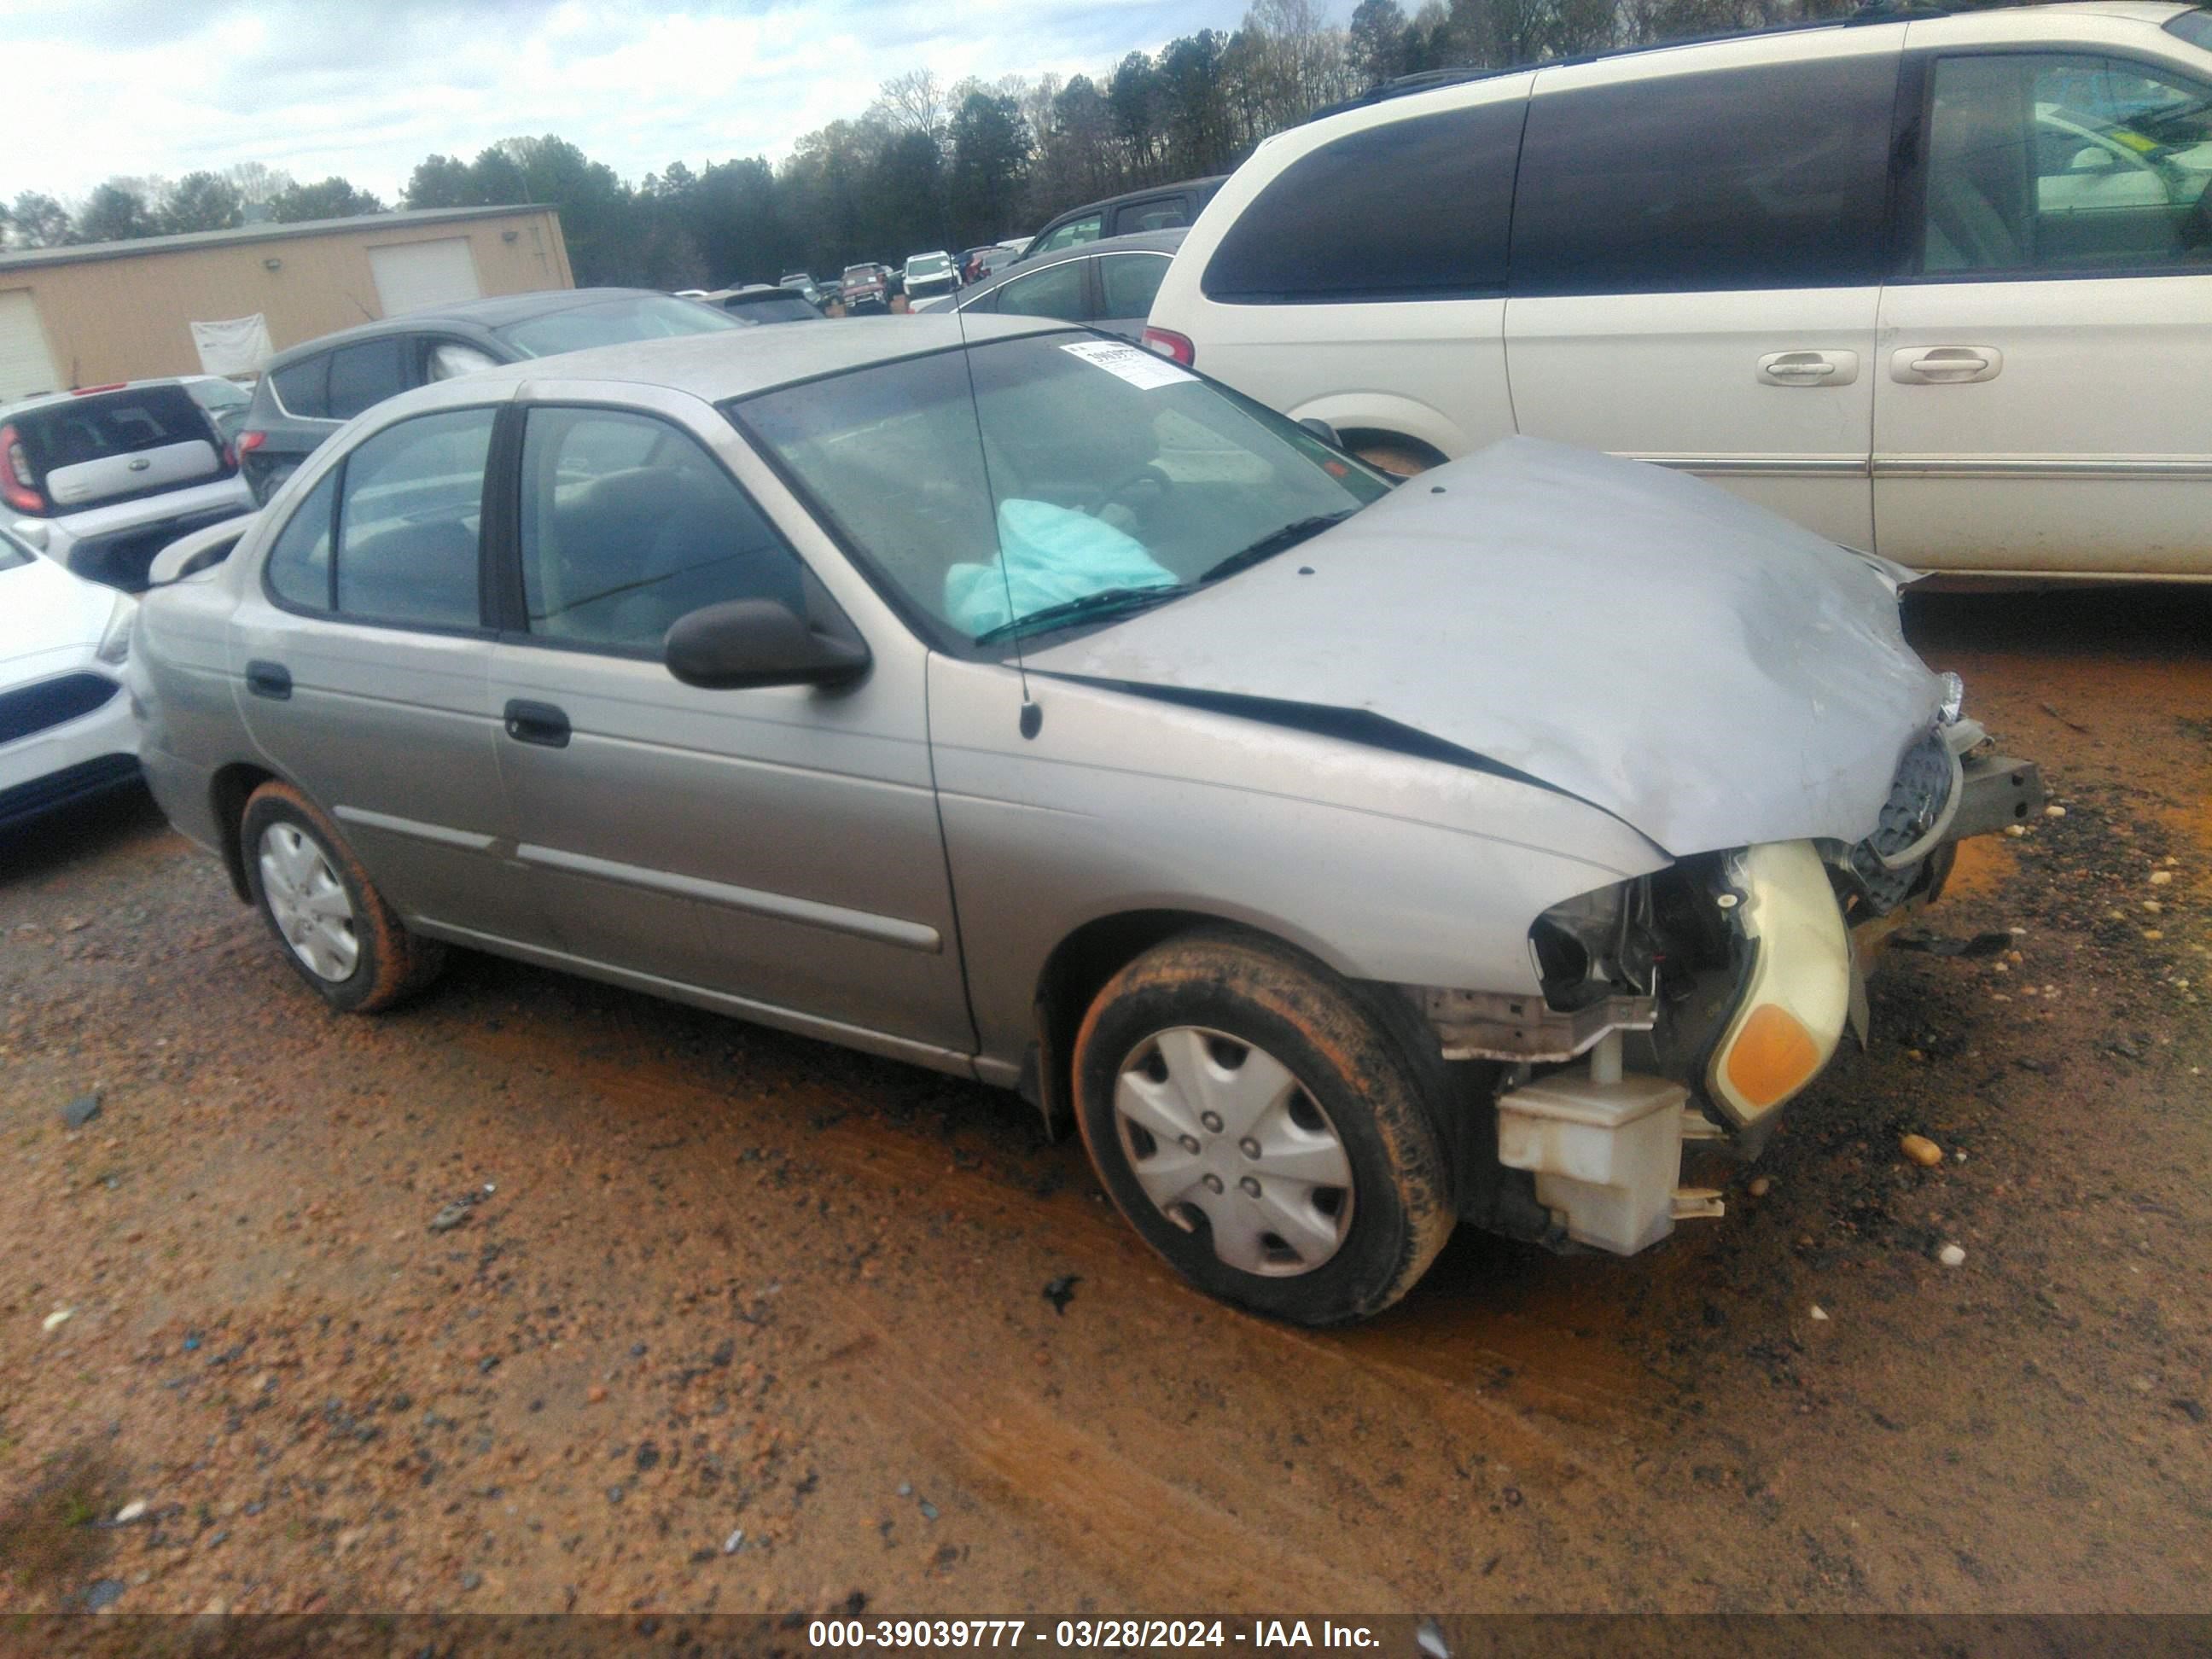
x=1937, y=288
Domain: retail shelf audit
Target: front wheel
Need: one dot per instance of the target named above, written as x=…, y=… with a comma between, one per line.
x=1262, y=1129
x=337, y=932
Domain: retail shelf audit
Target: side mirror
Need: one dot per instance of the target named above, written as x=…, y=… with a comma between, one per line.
x=742, y=643
x=1323, y=430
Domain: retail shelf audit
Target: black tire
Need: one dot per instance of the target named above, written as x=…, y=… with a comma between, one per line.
x=390, y=963
x=1338, y=1046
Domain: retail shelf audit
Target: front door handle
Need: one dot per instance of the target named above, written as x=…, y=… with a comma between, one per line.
x=1809, y=368
x=540, y=723
x=269, y=679
x=1946, y=365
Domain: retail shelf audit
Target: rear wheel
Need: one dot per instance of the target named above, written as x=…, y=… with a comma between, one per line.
x=337, y=932
x=1262, y=1129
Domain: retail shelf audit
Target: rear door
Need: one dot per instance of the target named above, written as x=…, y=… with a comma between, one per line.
x=362, y=659
x=1697, y=252
x=2041, y=406
x=773, y=852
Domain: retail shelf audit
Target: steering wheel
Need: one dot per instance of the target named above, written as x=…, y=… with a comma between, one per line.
x=1149, y=473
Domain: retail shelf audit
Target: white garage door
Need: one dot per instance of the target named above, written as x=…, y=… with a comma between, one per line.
x=411, y=275
x=26, y=365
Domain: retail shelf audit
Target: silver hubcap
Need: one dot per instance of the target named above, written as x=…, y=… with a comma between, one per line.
x=309, y=903
x=1220, y=1133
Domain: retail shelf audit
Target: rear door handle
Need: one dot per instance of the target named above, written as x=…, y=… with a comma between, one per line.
x=269, y=679
x=540, y=723
x=1946, y=365
x=1809, y=368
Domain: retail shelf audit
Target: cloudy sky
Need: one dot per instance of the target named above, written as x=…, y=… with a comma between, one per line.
x=368, y=87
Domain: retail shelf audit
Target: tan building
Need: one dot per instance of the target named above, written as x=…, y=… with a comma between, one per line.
x=122, y=311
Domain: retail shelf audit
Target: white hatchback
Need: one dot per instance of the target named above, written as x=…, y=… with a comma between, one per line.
x=1938, y=287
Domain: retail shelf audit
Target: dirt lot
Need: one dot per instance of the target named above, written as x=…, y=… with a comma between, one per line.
x=726, y=1282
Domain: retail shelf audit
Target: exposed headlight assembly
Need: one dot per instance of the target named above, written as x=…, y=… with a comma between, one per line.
x=1796, y=994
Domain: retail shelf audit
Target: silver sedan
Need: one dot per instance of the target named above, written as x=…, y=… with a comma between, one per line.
x=1343, y=860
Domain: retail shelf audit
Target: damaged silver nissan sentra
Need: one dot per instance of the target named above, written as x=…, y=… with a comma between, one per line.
x=1345, y=861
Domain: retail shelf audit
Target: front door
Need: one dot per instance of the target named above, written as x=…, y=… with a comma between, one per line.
x=2040, y=403
x=772, y=851
x=1697, y=264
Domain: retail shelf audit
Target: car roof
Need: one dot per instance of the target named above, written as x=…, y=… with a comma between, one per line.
x=492, y=314
x=2155, y=12
x=1129, y=196
x=738, y=362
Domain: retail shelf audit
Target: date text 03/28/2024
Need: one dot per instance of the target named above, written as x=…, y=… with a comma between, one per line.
x=1254, y=1635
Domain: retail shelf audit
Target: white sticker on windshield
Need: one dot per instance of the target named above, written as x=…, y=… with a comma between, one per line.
x=1139, y=367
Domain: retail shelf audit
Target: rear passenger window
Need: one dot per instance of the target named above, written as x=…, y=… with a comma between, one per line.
x=408, y=522
x=1774, y=177
x=298, y=569
x=628, y=524
x=364, y=375
x=1327, y=229
x=1055, y=292
x=304, y=387
x=1130, y=281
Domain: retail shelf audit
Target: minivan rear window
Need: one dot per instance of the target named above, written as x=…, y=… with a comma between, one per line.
x=1772, y=177
x=1328, y=229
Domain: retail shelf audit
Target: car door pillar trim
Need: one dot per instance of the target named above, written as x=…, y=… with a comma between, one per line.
x=861, y=924
x=415, y=827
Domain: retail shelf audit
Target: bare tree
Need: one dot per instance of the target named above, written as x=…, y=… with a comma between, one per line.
x=913, y=102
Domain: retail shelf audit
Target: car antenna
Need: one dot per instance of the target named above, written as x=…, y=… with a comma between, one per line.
x=1032, y=716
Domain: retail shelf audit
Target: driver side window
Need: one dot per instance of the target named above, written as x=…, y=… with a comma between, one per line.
x=628, y=524
x=2047, y=163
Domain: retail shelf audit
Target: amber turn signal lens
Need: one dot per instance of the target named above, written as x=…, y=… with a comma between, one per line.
x=1774, y=1055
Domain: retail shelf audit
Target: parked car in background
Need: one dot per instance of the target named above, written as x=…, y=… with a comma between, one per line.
x=928, y=275
x=1933, y=286
x=1108, y=284
x=979, y=263
x=309, y=391
x=99, y=480
x=66, y=730
x=866, y=287
x=765, y=302
x=1163, y=207
x=1327, y=928
x=800, y=281
x=225, y=401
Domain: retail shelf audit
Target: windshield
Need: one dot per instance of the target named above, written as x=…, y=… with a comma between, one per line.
x=612, y=322
x=1110, y=472
x=859, y=273
x=928, y=264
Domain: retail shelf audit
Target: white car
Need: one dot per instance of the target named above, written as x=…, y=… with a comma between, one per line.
x=66, y=730
x=928, y=273
x=1937, y=287
x=101, y=479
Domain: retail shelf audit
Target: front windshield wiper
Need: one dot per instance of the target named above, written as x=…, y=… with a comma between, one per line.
x=1275, y=542
x=1105, y=602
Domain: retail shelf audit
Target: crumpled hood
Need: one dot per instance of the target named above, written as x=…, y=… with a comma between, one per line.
x=1708, y=672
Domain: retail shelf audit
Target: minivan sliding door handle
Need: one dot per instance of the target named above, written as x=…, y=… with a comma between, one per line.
x=1809, y=368
x=540, y=723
